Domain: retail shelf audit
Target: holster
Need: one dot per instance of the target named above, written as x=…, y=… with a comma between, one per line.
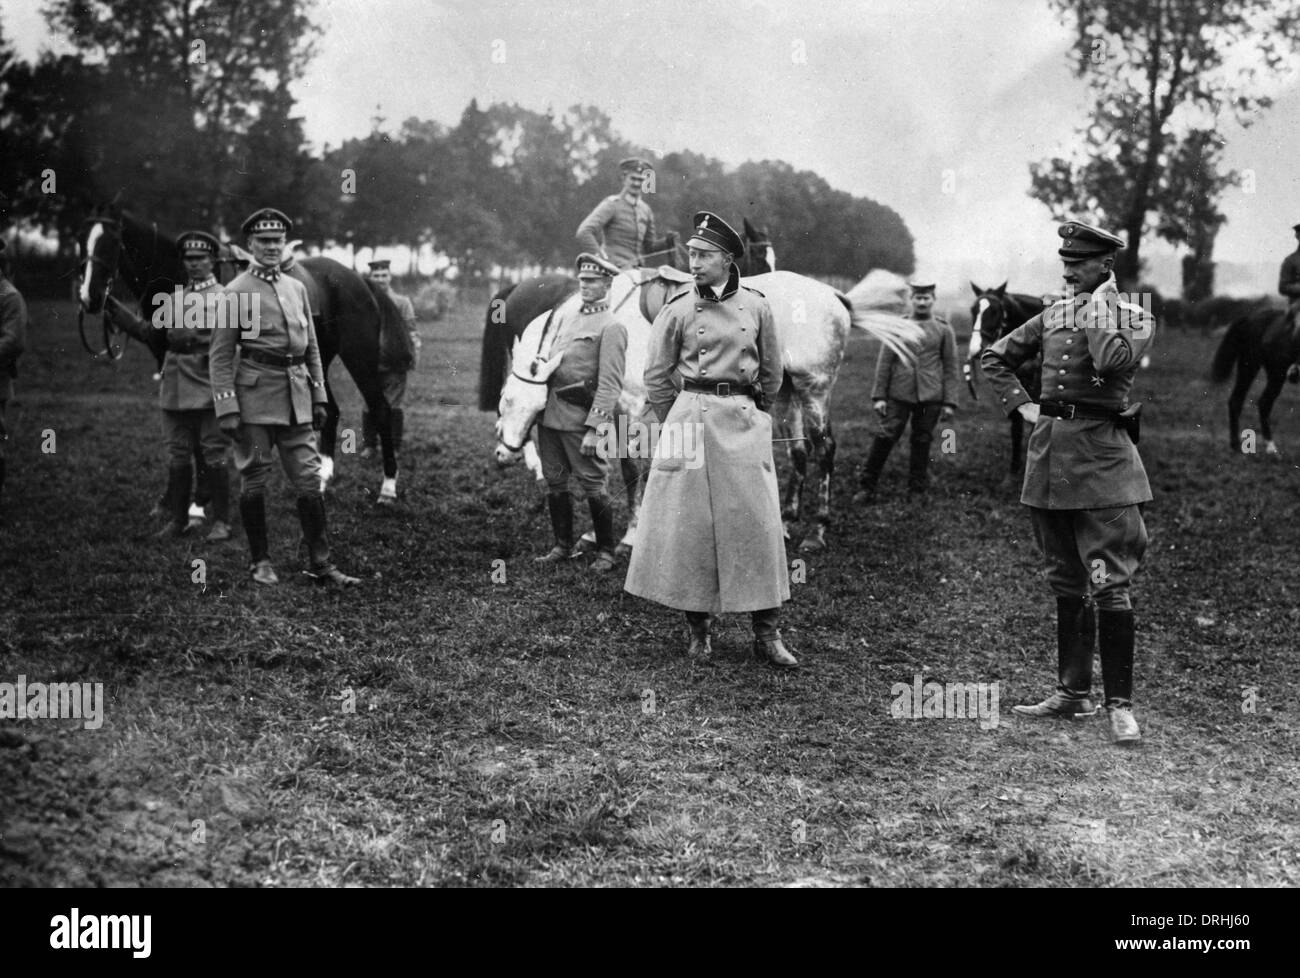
x=583, y=394
x=760, y=397
x=1130, y=419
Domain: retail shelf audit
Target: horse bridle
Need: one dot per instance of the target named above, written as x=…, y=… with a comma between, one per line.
x=514, y=372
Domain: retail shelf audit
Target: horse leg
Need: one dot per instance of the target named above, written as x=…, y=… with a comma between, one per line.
x=1245, y=377
x=1272, y=388
x=328, y=433
x=817, y=431
x=634, y=472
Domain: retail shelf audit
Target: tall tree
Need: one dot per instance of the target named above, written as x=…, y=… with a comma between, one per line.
x=1158, y=69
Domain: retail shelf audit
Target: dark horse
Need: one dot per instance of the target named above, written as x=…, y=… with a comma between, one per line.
x=515, y=306
x=349, y=312
x=1266, y=338
x=994, y=314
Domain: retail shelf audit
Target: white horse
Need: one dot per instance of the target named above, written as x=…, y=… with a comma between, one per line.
x=812, y=322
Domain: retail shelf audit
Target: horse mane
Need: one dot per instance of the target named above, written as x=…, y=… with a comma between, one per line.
x=497, y=340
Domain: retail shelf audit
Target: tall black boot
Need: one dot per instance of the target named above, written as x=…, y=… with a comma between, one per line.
x=701, y=626
x=1115, y=635
x=1076, y=632
x=2, y=485
x=176, y=502
x=202, y=479
x=870, y=477
x=252, y=511
x=918, y=465
x=560, y=506
x=369, y=435
x=398, y=426
x=768, y=646
x=219, y=487
x=602, y=521
x=311, y=514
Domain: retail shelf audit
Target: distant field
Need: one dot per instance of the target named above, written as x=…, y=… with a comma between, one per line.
x=437, y=728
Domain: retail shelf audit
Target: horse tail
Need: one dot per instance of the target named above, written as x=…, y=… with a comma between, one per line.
x=497, y=341
x=396, y=351
x=1230, y=351
x=895, y=331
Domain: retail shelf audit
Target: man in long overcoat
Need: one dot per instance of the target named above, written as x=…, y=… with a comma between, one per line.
x=1084, y=480
x=709, y=535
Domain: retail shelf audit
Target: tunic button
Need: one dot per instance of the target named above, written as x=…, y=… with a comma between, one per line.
x=701, y=330
x=1061, y=372
x=1060, y=387
x=1016, y=391
x=1065, y=356
x=1068, y=342
x=699, y=308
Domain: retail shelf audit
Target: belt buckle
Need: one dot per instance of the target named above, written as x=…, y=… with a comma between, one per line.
x=724, y=389
x=1070, y=411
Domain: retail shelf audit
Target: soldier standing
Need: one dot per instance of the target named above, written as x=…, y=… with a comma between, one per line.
x=393, y=365
x=1084, y=480
x=583, y=394
x=275, y=396
x=13, y=338
x=1288, y=283
x=709, y=536
x=924, y=394
x=622, y=227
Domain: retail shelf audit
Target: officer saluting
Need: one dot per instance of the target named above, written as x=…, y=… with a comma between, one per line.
x=709, y=536
x=274, y=397
x=584, y=392
x=1084, y=480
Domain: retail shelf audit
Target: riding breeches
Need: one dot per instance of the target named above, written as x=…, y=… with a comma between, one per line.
x=299, y=456
x=182, y=429
x=1092, y=549
x=924, y=417
x=561, y=457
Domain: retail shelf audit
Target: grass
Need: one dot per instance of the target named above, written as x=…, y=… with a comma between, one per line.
x=438, y=728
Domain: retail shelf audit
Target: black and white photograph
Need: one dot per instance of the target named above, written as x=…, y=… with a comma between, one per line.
x=676, y=444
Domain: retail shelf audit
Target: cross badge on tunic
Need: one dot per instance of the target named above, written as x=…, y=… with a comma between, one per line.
x=1098, y=380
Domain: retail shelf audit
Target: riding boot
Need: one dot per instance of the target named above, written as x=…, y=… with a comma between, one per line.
x=202, y=481
x=870, y=477
x=398, y=425
x=219, y=487
x=768, y=646
x=252, y=511
x=176, y=502
x=918, y=464
x=311, y=514
x=1115, y=633
x=369, y=435
x=2, y=484
x=560, y=506
x=602, y=520
x=701, y=626
x=1076, y=631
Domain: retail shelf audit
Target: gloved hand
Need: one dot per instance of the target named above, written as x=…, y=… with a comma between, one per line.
x=589, y=442
x=1029, y=412
x=229, y=424
x=318, y=416
x=881, y=407
x=946, y=414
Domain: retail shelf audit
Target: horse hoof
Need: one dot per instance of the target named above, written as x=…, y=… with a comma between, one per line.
x=812, y=545
x=1270, y=448
x=623, y=550
x=385, y=500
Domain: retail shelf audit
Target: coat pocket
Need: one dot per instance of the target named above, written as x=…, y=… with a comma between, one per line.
x=246, y=375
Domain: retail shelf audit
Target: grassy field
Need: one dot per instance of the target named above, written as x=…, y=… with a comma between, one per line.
x=444, y=726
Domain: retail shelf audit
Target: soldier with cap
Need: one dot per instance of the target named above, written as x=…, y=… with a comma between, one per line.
x=583, y=395
x=1288, y=283
x=1084, y=480
x=13, y=339
x=709, y=534
x=393, y=364
x=274, y=397
x=924, y=393
x=622, y=227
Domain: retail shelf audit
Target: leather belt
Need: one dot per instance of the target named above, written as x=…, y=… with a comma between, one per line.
x=724, y=389
x=1060, y=409
x=274, y=359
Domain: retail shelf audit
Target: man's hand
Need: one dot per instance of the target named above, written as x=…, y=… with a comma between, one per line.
x=945, y=416
x=229, y=424
x=1029, y=411
x=318, y=416
x=589, y=442
x=881, y=407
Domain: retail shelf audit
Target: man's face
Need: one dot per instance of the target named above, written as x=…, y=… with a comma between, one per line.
x=593, y=288
x=267, y=248
x=632, y=181
x=709, y=266
x=1085, y=275
x=922, y=304
x=198, y=265
x=382, y=277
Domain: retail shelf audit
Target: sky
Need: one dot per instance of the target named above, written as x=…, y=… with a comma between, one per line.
x=933, y=107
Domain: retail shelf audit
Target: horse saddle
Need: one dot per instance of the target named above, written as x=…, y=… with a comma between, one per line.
x=656, y=291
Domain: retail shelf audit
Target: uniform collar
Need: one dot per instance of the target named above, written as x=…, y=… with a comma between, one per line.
x=198, y=285
x=628, y=200
x=594, y=307
x=267, y=273
x=728, y=290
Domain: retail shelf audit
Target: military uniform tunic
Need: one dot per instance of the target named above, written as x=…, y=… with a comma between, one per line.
x=185, y=394
x=1288, y=280
x=628, y=230
x=393, y=381
x=13, y=338
x=920, y=391
x=709, y=533
x=594, y=344
x=1084, y=478
x=274, y=402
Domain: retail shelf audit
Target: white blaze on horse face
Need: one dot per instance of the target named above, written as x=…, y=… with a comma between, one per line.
x=521, y=400
x=92, y=241
x=976, y=341
x=771, y=259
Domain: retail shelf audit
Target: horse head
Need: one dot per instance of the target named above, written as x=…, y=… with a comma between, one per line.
x=523, y=396
x=102, y=251
x=988, y=315
x=759, y=257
